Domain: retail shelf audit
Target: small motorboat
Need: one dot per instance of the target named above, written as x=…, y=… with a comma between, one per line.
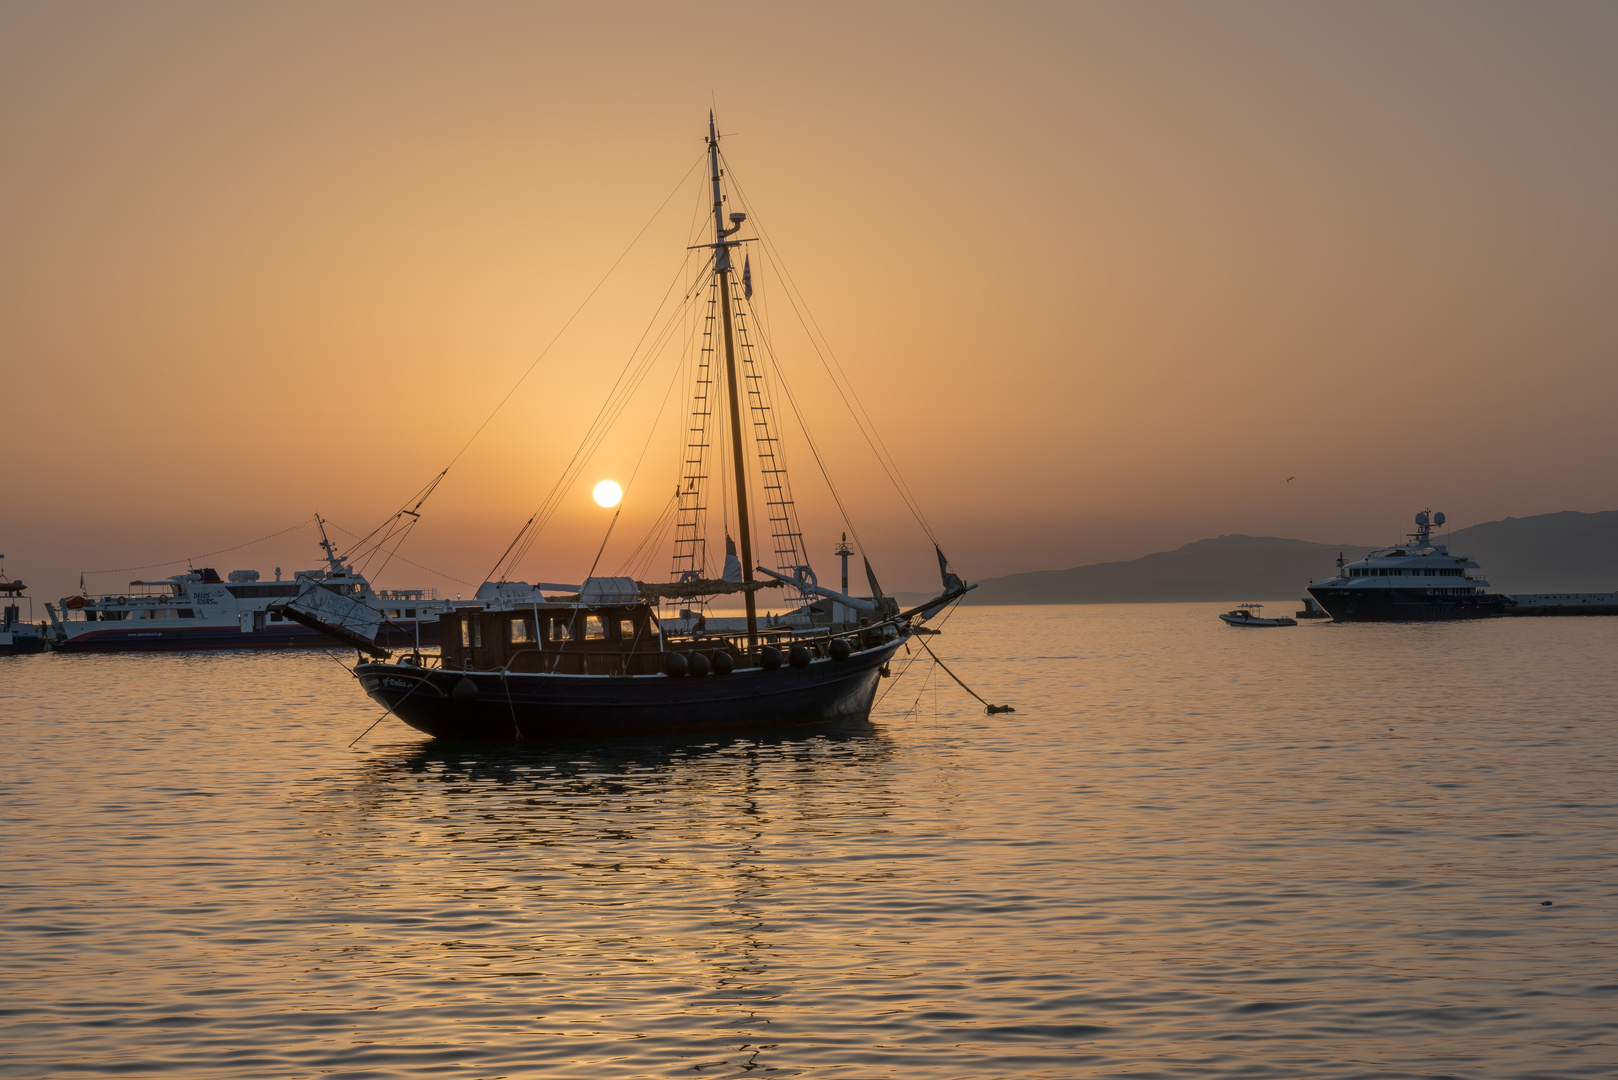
x=1248, y=615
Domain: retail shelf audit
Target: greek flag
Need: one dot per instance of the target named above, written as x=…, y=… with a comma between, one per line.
x=747, y=277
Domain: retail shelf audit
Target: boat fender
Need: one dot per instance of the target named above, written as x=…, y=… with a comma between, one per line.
x=722, y=663
x=674, y=665
x=465, y=692
x=697, y=664
x=769, y=658
x=840, y=649
x=798, y=657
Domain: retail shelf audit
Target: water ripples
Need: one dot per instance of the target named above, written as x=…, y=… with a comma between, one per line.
x=1192, y=852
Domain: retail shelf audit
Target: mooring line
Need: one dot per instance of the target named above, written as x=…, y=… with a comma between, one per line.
x=991, y=709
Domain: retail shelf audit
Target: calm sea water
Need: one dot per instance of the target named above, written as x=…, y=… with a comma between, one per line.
x=1192, y=851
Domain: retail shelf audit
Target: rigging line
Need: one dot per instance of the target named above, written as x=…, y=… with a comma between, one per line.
x=558, y=336
x=580, y=308
x=544, y=352
x=389, y=709
x=608, y=413
x=611, y=525
x=208, y=555
x=895, y=475
x=661, y=409
x=992, y=708
x=596, y=433
x=401, y=558
x=420, y=496
x=396, y=531
x=948, y=612
x=646, y=546
x=601, y=428
x=866, y=426
x=808, y=437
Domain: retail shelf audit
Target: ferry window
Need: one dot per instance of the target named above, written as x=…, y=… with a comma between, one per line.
x=594, y=628
x=466, y=632
x=188, y=613
x=410, y=613
x=519, y=631
x=273, y=617
x=393, y=613
x=626, y=629
x=561, y=630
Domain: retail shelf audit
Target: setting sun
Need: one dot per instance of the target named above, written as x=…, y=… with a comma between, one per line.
x=607, y=493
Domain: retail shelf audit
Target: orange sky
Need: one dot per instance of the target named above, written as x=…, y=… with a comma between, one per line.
x=1106, y=274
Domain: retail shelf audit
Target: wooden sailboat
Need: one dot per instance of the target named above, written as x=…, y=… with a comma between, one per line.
x=603, y=662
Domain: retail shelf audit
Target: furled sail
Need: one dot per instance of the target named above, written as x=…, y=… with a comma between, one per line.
x=733, y=565
x=683, y=590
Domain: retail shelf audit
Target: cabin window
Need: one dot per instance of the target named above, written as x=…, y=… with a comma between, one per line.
x=466, y=632
x=626, y=629
x=190, y=613
x=561, y=630
x=410, y=613
x=595, y=629
x=652, y=629
x=477, y=628
x=519, y=631
x=393, y=613
x=274, y=617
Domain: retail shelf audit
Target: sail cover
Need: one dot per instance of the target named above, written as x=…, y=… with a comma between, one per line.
x=337, y=610
x=733, y=565
x=682, y=590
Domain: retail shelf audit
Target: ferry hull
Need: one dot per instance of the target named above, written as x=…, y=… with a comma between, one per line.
x=120, y=638
x=539, y=707
x=1405, y=605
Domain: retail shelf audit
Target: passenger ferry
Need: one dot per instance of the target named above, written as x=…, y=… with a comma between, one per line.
x=199, y=610
x=1412, y=582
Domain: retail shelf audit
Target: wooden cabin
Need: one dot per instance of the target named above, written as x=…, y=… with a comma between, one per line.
x=554, y=639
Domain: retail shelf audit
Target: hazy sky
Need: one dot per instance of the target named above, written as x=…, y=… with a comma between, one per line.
x=1105, y=274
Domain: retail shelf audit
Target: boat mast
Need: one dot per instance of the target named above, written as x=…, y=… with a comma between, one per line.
x=722, y=267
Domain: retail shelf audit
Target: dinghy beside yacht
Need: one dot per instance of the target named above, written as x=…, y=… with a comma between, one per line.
x=1251, y=615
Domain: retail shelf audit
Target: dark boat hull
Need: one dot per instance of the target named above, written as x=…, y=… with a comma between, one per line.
x=1405, y=605
x=507, y=706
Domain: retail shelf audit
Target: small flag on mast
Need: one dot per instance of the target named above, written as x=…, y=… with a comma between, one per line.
x=747, y=277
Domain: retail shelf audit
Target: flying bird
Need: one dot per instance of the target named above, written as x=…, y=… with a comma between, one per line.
x=1291, y=478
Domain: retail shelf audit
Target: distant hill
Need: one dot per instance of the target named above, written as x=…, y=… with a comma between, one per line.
x=1230, y=568
x=1565, y=552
